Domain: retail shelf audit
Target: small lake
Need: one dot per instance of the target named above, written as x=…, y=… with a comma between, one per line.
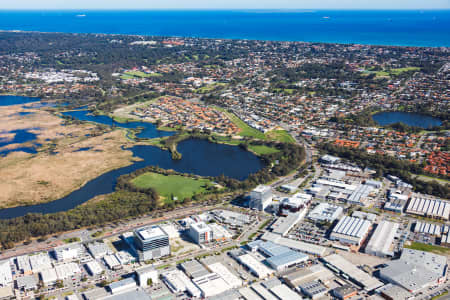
x=19, y=136
x=149, y=130
x=199, y=157
x=15, y=100
x=410, y=119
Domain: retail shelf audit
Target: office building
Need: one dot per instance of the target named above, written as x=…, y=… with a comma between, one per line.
x=260, y=197
x=200, y=233
x=146, y=275
x=151, y=242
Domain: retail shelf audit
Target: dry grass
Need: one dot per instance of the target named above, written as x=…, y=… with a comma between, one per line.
x=44, y=177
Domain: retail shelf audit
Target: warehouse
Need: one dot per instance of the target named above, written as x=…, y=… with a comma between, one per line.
x=360, y=195
x=427, y=228
x=263, y=292
x=284, y=224
x=222, y=271
x=314, y=273
x=253, y=265
x=94, y=268
x=295, y=245
x=49, y=276
x=194, y=269
x=40, y=262
x=325, y=212
x=5, y=273
x=313, y=289
x=68, y=270
x=286, y=260
x=432, y=208
x=178, y=282
x=380, y=244
x=279, y=257
x=211, y=284
x=285, y=293
x=358, y=276
x=249, y=294
x=98, y=250
x=416, y=270
x=122, y=285
x=112, y=262
x=350, y=230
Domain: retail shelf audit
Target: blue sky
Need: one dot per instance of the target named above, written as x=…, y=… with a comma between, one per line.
x=228, y=4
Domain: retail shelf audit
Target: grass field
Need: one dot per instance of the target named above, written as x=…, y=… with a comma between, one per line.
x=172, y=185
x=388, y=73
x=280, y=135
x=138, y=74
x=429, y=248
x=262, y=149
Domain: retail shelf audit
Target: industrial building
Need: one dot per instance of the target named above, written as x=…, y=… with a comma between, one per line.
x=5, y=273
x=27, y=282
x=211, y=284
x=260, y=197
x=431, y=208
x=329, y=159
x=263, y=292
x=394, y=292
x=222, y=271
x=380, y=244
x=279, y=257
x=325, y=212
x=200, y=233
x=194, y=269
x=248, y=294
x=98, y=249
x=294, y=203
x=145, y=274
x=231, y=217
x=416, y=270
x=313, y=289
x=283, y=225
x=151, y=242
x=350, y=230
x=253, y=265
x=360, y=195
x=344, y=292
x=314, y=273
x=342, y=266
x=427, y=228
x=294, y=244
x=122, y=285
x=67, y=252
x=40, y=262
x=48, y=276
x=94, y=268
x=178, y=282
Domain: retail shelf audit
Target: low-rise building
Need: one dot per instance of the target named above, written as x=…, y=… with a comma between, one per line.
x=94, y=268
x=146, y=275
x=351, y=230
x=381, y=242
x=122, y=285
x=200, y=233
x=325, y=212
x=344, y=292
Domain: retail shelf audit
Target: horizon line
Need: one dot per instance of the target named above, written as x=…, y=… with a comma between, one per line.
x=226, y=9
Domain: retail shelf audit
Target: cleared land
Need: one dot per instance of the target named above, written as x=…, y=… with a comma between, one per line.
x=138, y=74
x=169, y=186
x=429, y=248
x=78, y=154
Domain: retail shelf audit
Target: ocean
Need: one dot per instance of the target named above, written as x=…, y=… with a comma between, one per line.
x=402, y=28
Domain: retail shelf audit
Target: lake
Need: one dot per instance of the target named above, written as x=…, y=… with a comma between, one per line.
x=410, y=119
x=199, y=157
x=149, y=130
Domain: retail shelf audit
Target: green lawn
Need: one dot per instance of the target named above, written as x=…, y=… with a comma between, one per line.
x=280, y=135
x=176, y=185
x=428, y=248
x=262, y=149
x=139, y=74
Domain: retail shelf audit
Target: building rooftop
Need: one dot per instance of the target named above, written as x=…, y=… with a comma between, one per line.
x=351, y=226
x=150, y=232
